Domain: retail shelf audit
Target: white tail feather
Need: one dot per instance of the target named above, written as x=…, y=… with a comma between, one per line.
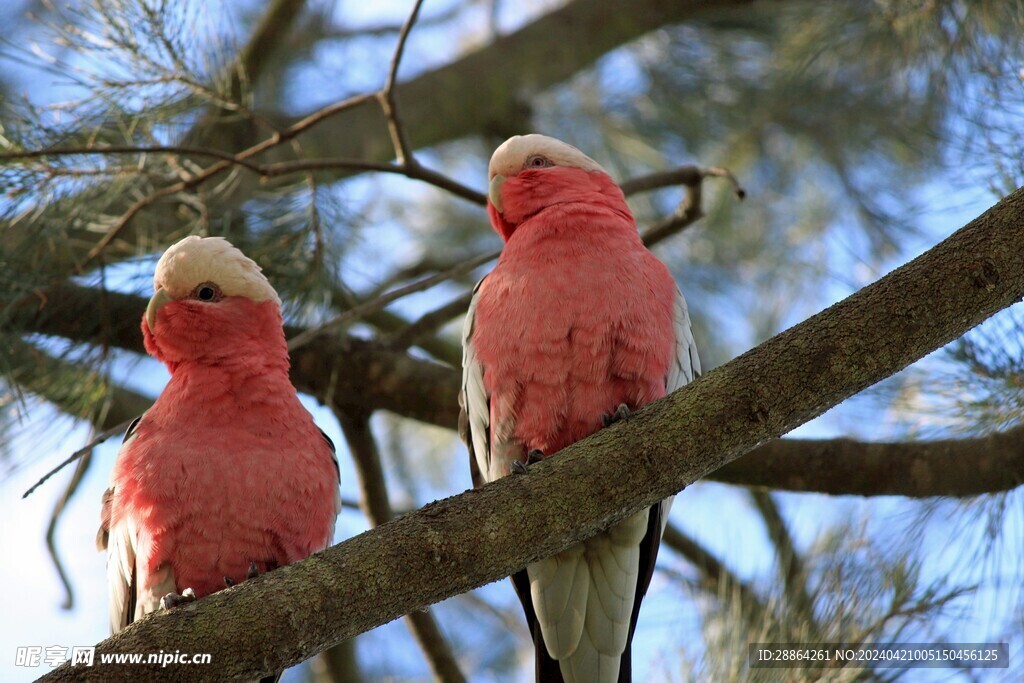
x=584, y=597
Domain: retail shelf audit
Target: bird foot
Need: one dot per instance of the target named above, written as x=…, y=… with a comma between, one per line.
x=519, y=467
x=172, y=600
x=253, y=572
x=621, y=413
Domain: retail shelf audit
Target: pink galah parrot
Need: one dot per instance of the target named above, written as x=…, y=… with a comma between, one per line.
x=577, y=325
x=226, y=475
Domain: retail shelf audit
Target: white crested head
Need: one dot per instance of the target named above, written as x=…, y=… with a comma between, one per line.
x=198, y=260
x=514, y=154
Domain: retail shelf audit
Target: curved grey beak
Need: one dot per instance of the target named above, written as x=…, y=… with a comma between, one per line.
x=159, y=299
x=494, y=192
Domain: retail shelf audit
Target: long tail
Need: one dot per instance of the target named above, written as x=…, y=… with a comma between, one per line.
x=548, y=669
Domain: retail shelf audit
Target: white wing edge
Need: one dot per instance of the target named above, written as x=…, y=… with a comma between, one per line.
x=473, y=398
x=686, y=367
x=123, y=579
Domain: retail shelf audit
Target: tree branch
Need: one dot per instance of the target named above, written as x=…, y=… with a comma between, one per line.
x=428, y=323
x=388, y=100
x=383, y=300
x=377, y=508
x=917, y=469
x=338, y=664
x=541, y=54
x=791, y=568
x=691, y=208
x=483, y=535
x=265, y=39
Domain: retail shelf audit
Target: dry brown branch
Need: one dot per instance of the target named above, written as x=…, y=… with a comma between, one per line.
x=80, y=453
x=689, y=176
x=429, y=322
x=274, y=140
x=380, y=302
x=51, y=527
x=690, y=210
x=377, y=507
x=388, y=100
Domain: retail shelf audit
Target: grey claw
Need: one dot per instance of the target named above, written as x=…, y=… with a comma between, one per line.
x=172, y=600
x=253, y=572
x=517, y=467
x=621, y=413
x=536, y=455
x=228, y=581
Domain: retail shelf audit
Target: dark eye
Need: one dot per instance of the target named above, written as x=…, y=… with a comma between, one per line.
x=207, y=292
x=538, y=161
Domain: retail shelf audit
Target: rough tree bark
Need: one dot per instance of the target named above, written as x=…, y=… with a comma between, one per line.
x=457, y=544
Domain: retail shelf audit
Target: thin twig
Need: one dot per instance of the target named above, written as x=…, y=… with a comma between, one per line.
x=380, y=302
x=51, y=529
x=689, y=175
x=87, y=448
x=276, y=139
x=414, y=172
x=272, y=170
x=132, y=211
x=429, y=322
x=790, y=565
x=386, y=97
x=58, y=511
x=377, y=507
x=686, y=214
x=88, y=150
x=690, y=210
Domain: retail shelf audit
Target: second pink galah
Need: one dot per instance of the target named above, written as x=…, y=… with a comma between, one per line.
x=226, y=475
x=577, y=325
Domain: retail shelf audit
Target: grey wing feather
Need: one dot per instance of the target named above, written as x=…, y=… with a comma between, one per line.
x=337, y=469
x=686, y=367
x=126, y=600
x=119, y=542
x=475, y=414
